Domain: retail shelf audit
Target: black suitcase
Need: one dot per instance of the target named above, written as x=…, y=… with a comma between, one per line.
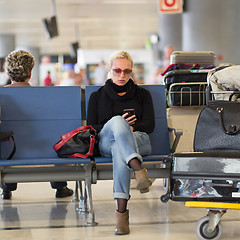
x=186, y=87
x=205, y=177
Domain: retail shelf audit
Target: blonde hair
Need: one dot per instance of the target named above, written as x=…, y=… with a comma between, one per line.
x=120, y=55
x=19, y=65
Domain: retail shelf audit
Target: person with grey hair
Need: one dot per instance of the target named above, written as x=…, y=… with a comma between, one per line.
x=19, y=68
x=122, y=113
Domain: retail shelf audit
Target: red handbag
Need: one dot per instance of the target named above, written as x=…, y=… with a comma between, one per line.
x=78, y=143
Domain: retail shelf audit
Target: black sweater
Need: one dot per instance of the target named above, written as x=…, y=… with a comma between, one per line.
x=106, y=103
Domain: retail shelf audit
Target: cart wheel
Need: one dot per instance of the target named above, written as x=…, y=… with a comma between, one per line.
x=203, y=234
x=164, y=198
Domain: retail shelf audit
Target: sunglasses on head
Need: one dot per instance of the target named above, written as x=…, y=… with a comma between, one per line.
x=118, y=71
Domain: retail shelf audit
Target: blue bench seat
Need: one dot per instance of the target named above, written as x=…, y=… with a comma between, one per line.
x=38, y=116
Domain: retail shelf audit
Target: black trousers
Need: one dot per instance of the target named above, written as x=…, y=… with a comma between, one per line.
x=13, y=186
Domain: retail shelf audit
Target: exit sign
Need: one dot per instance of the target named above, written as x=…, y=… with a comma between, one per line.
x=170, y=6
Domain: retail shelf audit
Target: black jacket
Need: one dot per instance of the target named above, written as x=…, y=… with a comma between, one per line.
x=106, y=103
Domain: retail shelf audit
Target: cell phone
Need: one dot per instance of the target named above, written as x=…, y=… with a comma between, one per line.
x=130, y=111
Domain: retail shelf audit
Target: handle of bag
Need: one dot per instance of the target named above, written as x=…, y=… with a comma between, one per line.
x=5, y=136
x=66, y=137
x=13, y=150
x=74, y=132
x=232, y=130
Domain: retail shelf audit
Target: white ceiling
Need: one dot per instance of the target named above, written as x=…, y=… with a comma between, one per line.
x=95, y=24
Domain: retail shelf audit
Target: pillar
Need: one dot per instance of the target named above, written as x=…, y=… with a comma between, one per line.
x=7, y=44
x=213, y=25
x=170, y=31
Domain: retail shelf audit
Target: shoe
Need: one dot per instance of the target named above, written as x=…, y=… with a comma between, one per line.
x=122, y=223
x=6, y=194
x=64, y=192
x=143, y=182
x=145, y=190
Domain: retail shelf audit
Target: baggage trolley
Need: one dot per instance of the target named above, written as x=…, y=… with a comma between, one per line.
x=207, y=180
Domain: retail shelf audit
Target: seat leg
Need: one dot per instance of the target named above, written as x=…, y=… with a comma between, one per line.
x=82, y=206
x=76, y=193
x=88, y=187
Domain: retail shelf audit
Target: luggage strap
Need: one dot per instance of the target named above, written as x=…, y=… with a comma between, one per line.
x=5, y=136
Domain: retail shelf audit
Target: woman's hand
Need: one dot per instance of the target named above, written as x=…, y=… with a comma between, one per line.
x=131, y=120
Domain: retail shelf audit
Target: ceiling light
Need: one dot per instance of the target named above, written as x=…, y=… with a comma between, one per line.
x=154, y=38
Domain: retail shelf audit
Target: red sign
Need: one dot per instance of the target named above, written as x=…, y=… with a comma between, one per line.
x=170, y=6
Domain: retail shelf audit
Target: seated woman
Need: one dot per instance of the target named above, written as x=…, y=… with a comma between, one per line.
x=121, y=135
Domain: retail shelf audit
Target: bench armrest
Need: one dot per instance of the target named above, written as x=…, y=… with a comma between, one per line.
x=178, y=133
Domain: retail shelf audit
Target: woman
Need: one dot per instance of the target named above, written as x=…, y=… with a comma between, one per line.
x=122, y=136
x=19, y=69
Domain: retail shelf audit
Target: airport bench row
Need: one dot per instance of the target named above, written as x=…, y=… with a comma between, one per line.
x=38, y=116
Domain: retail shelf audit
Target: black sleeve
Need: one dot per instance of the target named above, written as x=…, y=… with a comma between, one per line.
x=92, y=112
x=147, y=122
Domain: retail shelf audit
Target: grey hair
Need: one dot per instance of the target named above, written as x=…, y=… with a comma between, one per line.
x=19, y=65
x=120, y=55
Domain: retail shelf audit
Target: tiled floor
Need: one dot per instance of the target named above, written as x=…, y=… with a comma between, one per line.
x=35, y=214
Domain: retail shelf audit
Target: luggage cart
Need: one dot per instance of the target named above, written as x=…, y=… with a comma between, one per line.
x=207, y=180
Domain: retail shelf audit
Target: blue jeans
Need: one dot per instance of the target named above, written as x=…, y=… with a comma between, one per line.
x=116, y=139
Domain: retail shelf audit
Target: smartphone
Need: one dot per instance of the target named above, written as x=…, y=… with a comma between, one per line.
x=130, y=112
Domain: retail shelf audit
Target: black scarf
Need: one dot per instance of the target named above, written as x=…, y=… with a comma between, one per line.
x=112, y=90
x=109, y=94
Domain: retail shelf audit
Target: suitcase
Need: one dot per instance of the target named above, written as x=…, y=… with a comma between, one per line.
x=203, y=58
x=186, y=87
x=205, y=177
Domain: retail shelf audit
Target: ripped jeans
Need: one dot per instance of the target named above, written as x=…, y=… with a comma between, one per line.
x=119, y=142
